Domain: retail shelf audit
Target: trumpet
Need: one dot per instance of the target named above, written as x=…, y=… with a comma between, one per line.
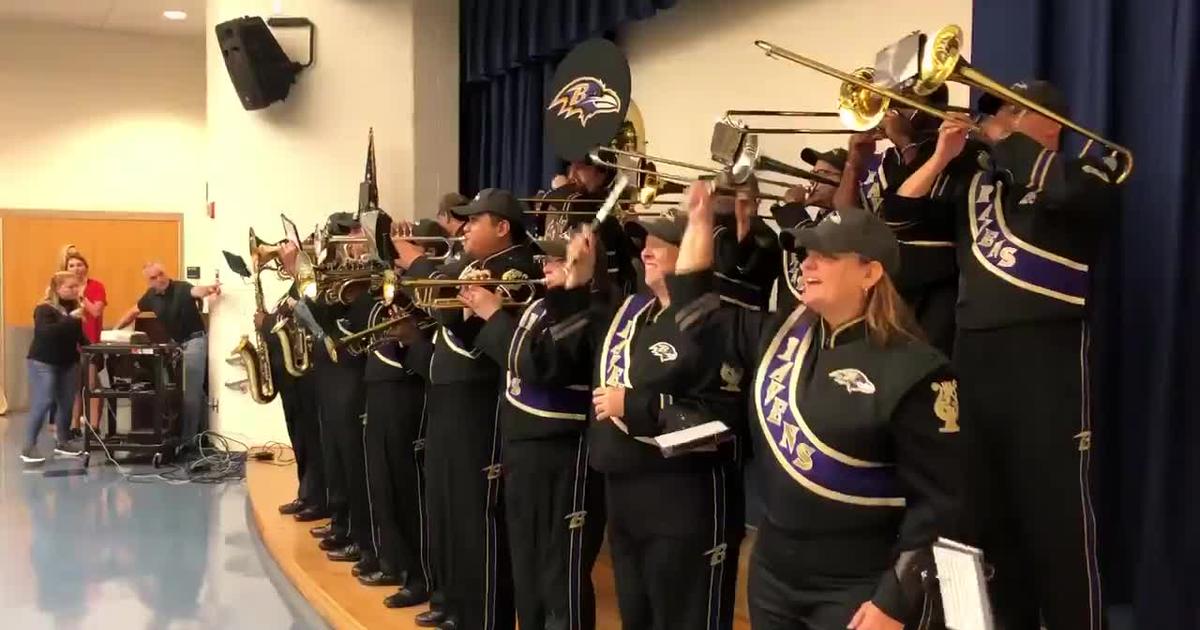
x=339, y=284
x=430, y=242
x=424, y=290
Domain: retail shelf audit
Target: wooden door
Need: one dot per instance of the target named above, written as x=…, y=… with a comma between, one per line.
x=115, y=245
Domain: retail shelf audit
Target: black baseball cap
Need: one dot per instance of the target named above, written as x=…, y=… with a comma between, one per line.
x=552, y=247
x=849, y=231
x=498, y=202
x=836, y=157
x=1041, y=92
x=449, y=202
x=341, y=223
x=668, y=229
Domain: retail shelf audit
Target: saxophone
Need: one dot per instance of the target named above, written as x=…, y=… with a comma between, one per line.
x=254, y=356
x=294, y=341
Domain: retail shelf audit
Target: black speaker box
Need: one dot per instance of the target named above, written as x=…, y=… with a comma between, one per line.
x=260, y=70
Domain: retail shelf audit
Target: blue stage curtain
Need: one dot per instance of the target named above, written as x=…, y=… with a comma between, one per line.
x=1128, y=69
x=509, y=49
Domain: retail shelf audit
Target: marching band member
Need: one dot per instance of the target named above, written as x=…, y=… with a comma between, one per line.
x=300, y=410
x=452, y=225
x=553, y=503
x=674, y=524
x=393, y=451
x=928, y=277
x=584, y=191
x=341, y=397
x=462, y=444
x=1027, y=230
x=805, y=205
x=857, y=427
x=747, y=251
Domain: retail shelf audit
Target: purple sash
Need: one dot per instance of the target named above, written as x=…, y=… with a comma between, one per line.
x=559, y=403
x=1013, y=260
x=614, y=356
x=871, y=188
x=812, y=463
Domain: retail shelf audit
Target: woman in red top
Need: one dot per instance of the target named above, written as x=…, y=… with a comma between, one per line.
x=93, y=301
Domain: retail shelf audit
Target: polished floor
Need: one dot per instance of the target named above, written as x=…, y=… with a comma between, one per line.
x=97, y=551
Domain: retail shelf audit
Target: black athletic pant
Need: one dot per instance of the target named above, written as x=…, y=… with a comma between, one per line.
x=463, y=479
x=300, y=412
x=819, y=583
x=555, y=510
x=934, y=307
x=343, y=404
x=395, y=411
x=675, y=540
x=1028, y=423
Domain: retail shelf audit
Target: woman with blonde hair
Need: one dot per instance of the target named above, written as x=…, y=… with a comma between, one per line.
x=93, y=299
x=855, y=424
x=53, y=363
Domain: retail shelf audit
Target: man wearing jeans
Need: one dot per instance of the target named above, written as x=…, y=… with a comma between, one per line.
x=176, y=304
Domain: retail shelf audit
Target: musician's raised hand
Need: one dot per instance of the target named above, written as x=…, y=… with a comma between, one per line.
x=861, y=148
x=480, y=300
x=581, y=258
x=407, y=252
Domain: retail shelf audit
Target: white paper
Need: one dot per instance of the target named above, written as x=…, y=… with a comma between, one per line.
x=963, y=585
x=685, y=440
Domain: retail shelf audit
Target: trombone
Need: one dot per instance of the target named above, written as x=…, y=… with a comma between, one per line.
x=671, y=182
x=734, y=114
x=408, y=311
x=863, y=104
x=942, y=61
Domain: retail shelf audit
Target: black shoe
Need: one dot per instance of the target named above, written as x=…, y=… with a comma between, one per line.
x=405, y=598
x=349, y=553
x=366, y=566
x=378, y=578
x=311, y=513
x=321, y=531
x=431, y=618
x=448, y=624
x=333, y=543
x=68, y=449
x=294, y=507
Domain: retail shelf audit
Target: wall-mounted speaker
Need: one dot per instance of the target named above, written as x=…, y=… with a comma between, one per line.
x=261, y=72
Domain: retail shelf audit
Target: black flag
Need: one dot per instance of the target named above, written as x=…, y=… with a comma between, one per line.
x=368, y=190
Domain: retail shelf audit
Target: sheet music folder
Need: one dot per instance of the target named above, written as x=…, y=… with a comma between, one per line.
x=700, y=438
x=963, y=584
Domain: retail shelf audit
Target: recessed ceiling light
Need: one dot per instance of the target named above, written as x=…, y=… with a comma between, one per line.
x=175, y=15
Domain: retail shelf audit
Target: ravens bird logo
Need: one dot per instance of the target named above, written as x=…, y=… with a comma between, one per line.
x=664, y=351
x=853, y=380
x=583, y=98
x=732, y=376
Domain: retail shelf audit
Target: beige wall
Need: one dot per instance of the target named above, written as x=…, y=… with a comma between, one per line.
x=305, y=156
x=104, y=121
x=691, y=63
x=96, y=120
